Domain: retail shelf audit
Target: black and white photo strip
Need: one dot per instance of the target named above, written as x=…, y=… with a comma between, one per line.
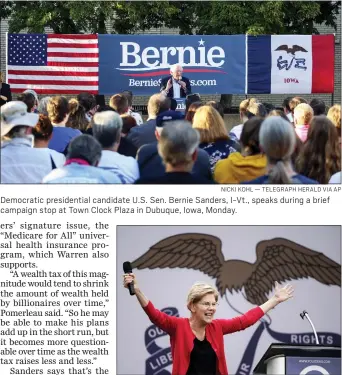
x=228, y=299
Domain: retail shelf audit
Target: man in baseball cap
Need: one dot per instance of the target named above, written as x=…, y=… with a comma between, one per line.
x=20, y=162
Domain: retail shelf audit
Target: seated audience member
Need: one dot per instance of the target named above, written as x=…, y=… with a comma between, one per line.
x=299, y=143
x=42, y=106
x=302, y=116
x=36, y=99
x=247, y=165
x=58, y=110
x=334, y=115
x=318, y=107
x=107, y=128
x=278, y=141
x=84, y=154
x=218, y=106
x=287, y=109
x=119, y=103
x=145, y=134
x=248, y=108
x=30, y=101
x=320, y=157
x=336, y=178
x=192, y=110
x=213, y=135
x=88, y=102
x=20, y=162
x=42, y=133
x=149, y=160
x=77, y=116
x=177, y=147
x=130, y=112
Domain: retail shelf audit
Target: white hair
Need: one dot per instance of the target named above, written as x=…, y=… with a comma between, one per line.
x=174, y=67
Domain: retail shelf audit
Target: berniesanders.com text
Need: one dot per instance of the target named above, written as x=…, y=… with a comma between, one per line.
x=156, y=82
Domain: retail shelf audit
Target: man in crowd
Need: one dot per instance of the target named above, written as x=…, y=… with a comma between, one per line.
x=144, y=134
x=150, y=161
x=178, y=149
x=84, y=154
x=20, y=162
x=119, y=103
x=107, y=127
x=175, y=86
x=135, y=115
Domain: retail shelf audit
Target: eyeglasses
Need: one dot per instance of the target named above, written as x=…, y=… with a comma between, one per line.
x=208, y=304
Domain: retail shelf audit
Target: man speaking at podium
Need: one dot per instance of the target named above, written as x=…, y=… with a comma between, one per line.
x=175, y=86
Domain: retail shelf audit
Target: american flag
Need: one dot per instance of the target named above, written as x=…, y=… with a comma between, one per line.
x=53, y=63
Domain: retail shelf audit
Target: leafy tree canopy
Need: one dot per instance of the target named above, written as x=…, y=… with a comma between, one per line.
x=215, y=17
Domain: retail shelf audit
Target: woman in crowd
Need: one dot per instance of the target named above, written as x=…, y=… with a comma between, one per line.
x=299, y=143
x=43, y=132
x=58, y=111
x=320, y=157
x=334, y=115
x=247, y=165
x=214, y=139
x=77, y=116
x=192, y=110
x=126, y=147
x=42, y=106
x=248, y=109
x=278, y=141
x=197, y=343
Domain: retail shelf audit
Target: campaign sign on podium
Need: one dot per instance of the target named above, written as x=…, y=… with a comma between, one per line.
x=313, y=366
x=180, y=105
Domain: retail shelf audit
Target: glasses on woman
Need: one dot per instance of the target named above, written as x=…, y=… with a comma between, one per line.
x=208, y=304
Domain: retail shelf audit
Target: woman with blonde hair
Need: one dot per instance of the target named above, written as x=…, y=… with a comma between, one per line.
x=213, y=135
x=320, y=157
x=197, y=343
x=334, y=115
x=5, y=91
x=278, y=142
x=247, y=109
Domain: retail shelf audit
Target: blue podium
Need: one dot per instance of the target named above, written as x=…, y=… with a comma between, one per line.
x=287, y=359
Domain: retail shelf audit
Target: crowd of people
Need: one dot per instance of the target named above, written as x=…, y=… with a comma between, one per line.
x=56, y=140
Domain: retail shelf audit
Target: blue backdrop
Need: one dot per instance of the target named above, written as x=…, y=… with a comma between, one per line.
x=214, y=64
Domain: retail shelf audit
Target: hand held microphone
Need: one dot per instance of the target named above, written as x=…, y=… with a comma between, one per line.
x=127, y=268
x=303, y=315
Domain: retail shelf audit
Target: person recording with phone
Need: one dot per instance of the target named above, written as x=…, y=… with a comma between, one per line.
x=197, y=343
x=175, y=86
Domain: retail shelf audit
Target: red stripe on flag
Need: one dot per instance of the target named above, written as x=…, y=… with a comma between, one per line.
x=72, y=54
x=72, y=36
x=323, y=53
x=71, y=45
x=54, y=82
x=53, y=91
x=45, y=73
x=75, y=64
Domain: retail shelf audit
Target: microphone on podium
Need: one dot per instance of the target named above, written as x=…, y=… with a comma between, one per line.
x=303, y=315
x=127, y=268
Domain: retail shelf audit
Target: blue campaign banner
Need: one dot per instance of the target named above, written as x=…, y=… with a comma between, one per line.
x=313, y=366
x=214, y=64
